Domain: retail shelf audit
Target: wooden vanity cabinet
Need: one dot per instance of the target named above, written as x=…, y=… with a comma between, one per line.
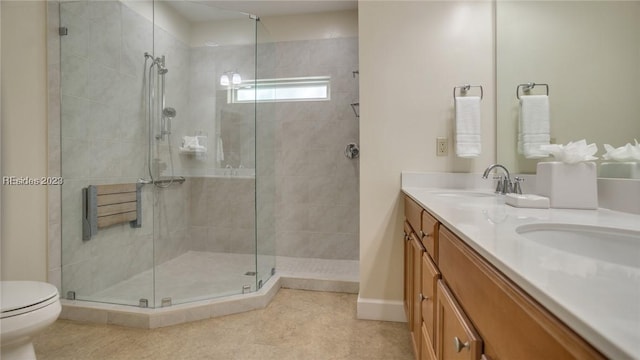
x=451, y=292
x=512, y=324
x=421, y=274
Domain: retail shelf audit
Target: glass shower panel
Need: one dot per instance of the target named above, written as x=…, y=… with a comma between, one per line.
x=103, y=137
x=205, y=227
x=265, y=161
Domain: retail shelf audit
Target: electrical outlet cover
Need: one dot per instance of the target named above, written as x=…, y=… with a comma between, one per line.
x=442, y=146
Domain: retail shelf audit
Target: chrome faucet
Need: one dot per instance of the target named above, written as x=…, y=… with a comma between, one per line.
x=505, y=185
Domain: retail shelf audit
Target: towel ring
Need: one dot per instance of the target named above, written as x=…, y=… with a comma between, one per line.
x=528, y=87
x=466, y=87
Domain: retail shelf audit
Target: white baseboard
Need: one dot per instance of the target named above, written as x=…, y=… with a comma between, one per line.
x=384, y=310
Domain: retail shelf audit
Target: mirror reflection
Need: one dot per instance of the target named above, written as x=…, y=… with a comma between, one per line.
x=588, y=52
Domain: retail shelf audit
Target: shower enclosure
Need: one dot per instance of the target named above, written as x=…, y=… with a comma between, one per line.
x=149, y=102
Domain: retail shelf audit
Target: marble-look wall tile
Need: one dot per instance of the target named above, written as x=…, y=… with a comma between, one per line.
x=222, y=214
x=105, y=37
x=75, y=75
x=317, y=202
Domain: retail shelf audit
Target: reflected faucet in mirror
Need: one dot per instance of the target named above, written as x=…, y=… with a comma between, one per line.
x=505, y=185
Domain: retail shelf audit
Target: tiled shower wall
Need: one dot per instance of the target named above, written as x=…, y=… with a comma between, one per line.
x=300, y=155
x=317, y=209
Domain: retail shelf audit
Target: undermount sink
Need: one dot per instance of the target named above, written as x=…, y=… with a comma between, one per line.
x=612, y=245
x=464, y=193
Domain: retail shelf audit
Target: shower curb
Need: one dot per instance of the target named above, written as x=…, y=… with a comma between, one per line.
x=146, y=318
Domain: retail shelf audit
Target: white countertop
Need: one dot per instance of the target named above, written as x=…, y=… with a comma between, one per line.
x=598, y=298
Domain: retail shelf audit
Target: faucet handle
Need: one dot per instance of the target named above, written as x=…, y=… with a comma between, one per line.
x=507, y=186
x=500, y=186
x=516, y=184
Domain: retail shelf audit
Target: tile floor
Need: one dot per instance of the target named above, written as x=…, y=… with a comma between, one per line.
x=297, y=324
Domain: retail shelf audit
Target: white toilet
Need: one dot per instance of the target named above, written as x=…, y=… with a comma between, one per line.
x=28, y=307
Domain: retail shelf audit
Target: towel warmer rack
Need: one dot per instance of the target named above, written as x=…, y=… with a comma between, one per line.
x=526, y=88
x=465, y=88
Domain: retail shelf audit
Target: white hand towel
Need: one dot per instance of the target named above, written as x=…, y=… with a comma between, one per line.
x=468, y=140
x=534, y=126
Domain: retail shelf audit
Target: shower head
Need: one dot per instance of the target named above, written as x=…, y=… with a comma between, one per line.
x=169, y=112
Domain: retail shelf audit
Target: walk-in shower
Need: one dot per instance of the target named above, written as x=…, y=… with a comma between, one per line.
x=142, y=108
x=227, y=145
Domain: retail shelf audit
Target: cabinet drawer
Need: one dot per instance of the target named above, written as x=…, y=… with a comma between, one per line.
x=512, y=324
x=412, y=211
x=429, y=234
x=427, y=352
x=430, y=276
x=456, y=339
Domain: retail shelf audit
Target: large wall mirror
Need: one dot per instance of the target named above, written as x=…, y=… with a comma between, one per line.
x=589, y=54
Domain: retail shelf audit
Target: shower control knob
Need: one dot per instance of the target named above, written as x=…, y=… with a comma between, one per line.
x=352, y=151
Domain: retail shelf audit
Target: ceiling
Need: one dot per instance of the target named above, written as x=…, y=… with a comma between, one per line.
x=211, y=10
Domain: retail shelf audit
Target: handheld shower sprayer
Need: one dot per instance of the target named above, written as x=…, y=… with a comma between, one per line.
x=168, y=114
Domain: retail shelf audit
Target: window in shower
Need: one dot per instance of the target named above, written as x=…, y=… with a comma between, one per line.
x=291, y=89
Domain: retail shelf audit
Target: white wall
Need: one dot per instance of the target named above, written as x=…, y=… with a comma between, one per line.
x=162, y=16
x=327, y=25
x=589, y=54
x=24, y=139
x=412, y=54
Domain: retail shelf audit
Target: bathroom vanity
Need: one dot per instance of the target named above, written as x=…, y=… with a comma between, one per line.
x=477, y=286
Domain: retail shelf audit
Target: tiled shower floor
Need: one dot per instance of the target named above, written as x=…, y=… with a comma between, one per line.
x=199, y=275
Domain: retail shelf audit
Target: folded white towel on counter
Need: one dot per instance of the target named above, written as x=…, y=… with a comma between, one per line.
x=534, y=128
x=468, y=128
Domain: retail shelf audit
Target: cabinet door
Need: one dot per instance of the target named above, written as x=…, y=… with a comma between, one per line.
x=427, y=352
x=416, y=319
x=456, y=337
x=408, y=275
x=430, y=276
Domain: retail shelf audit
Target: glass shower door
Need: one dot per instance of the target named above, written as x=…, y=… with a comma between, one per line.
x=205, y=227
x=266, y=126
x=103, y=139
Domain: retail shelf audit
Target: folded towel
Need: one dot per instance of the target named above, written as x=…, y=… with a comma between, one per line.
x=190, y=142
x=468, y=140
x=534, y=126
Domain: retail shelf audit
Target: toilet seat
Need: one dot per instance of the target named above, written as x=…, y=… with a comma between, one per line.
x=20, y=297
